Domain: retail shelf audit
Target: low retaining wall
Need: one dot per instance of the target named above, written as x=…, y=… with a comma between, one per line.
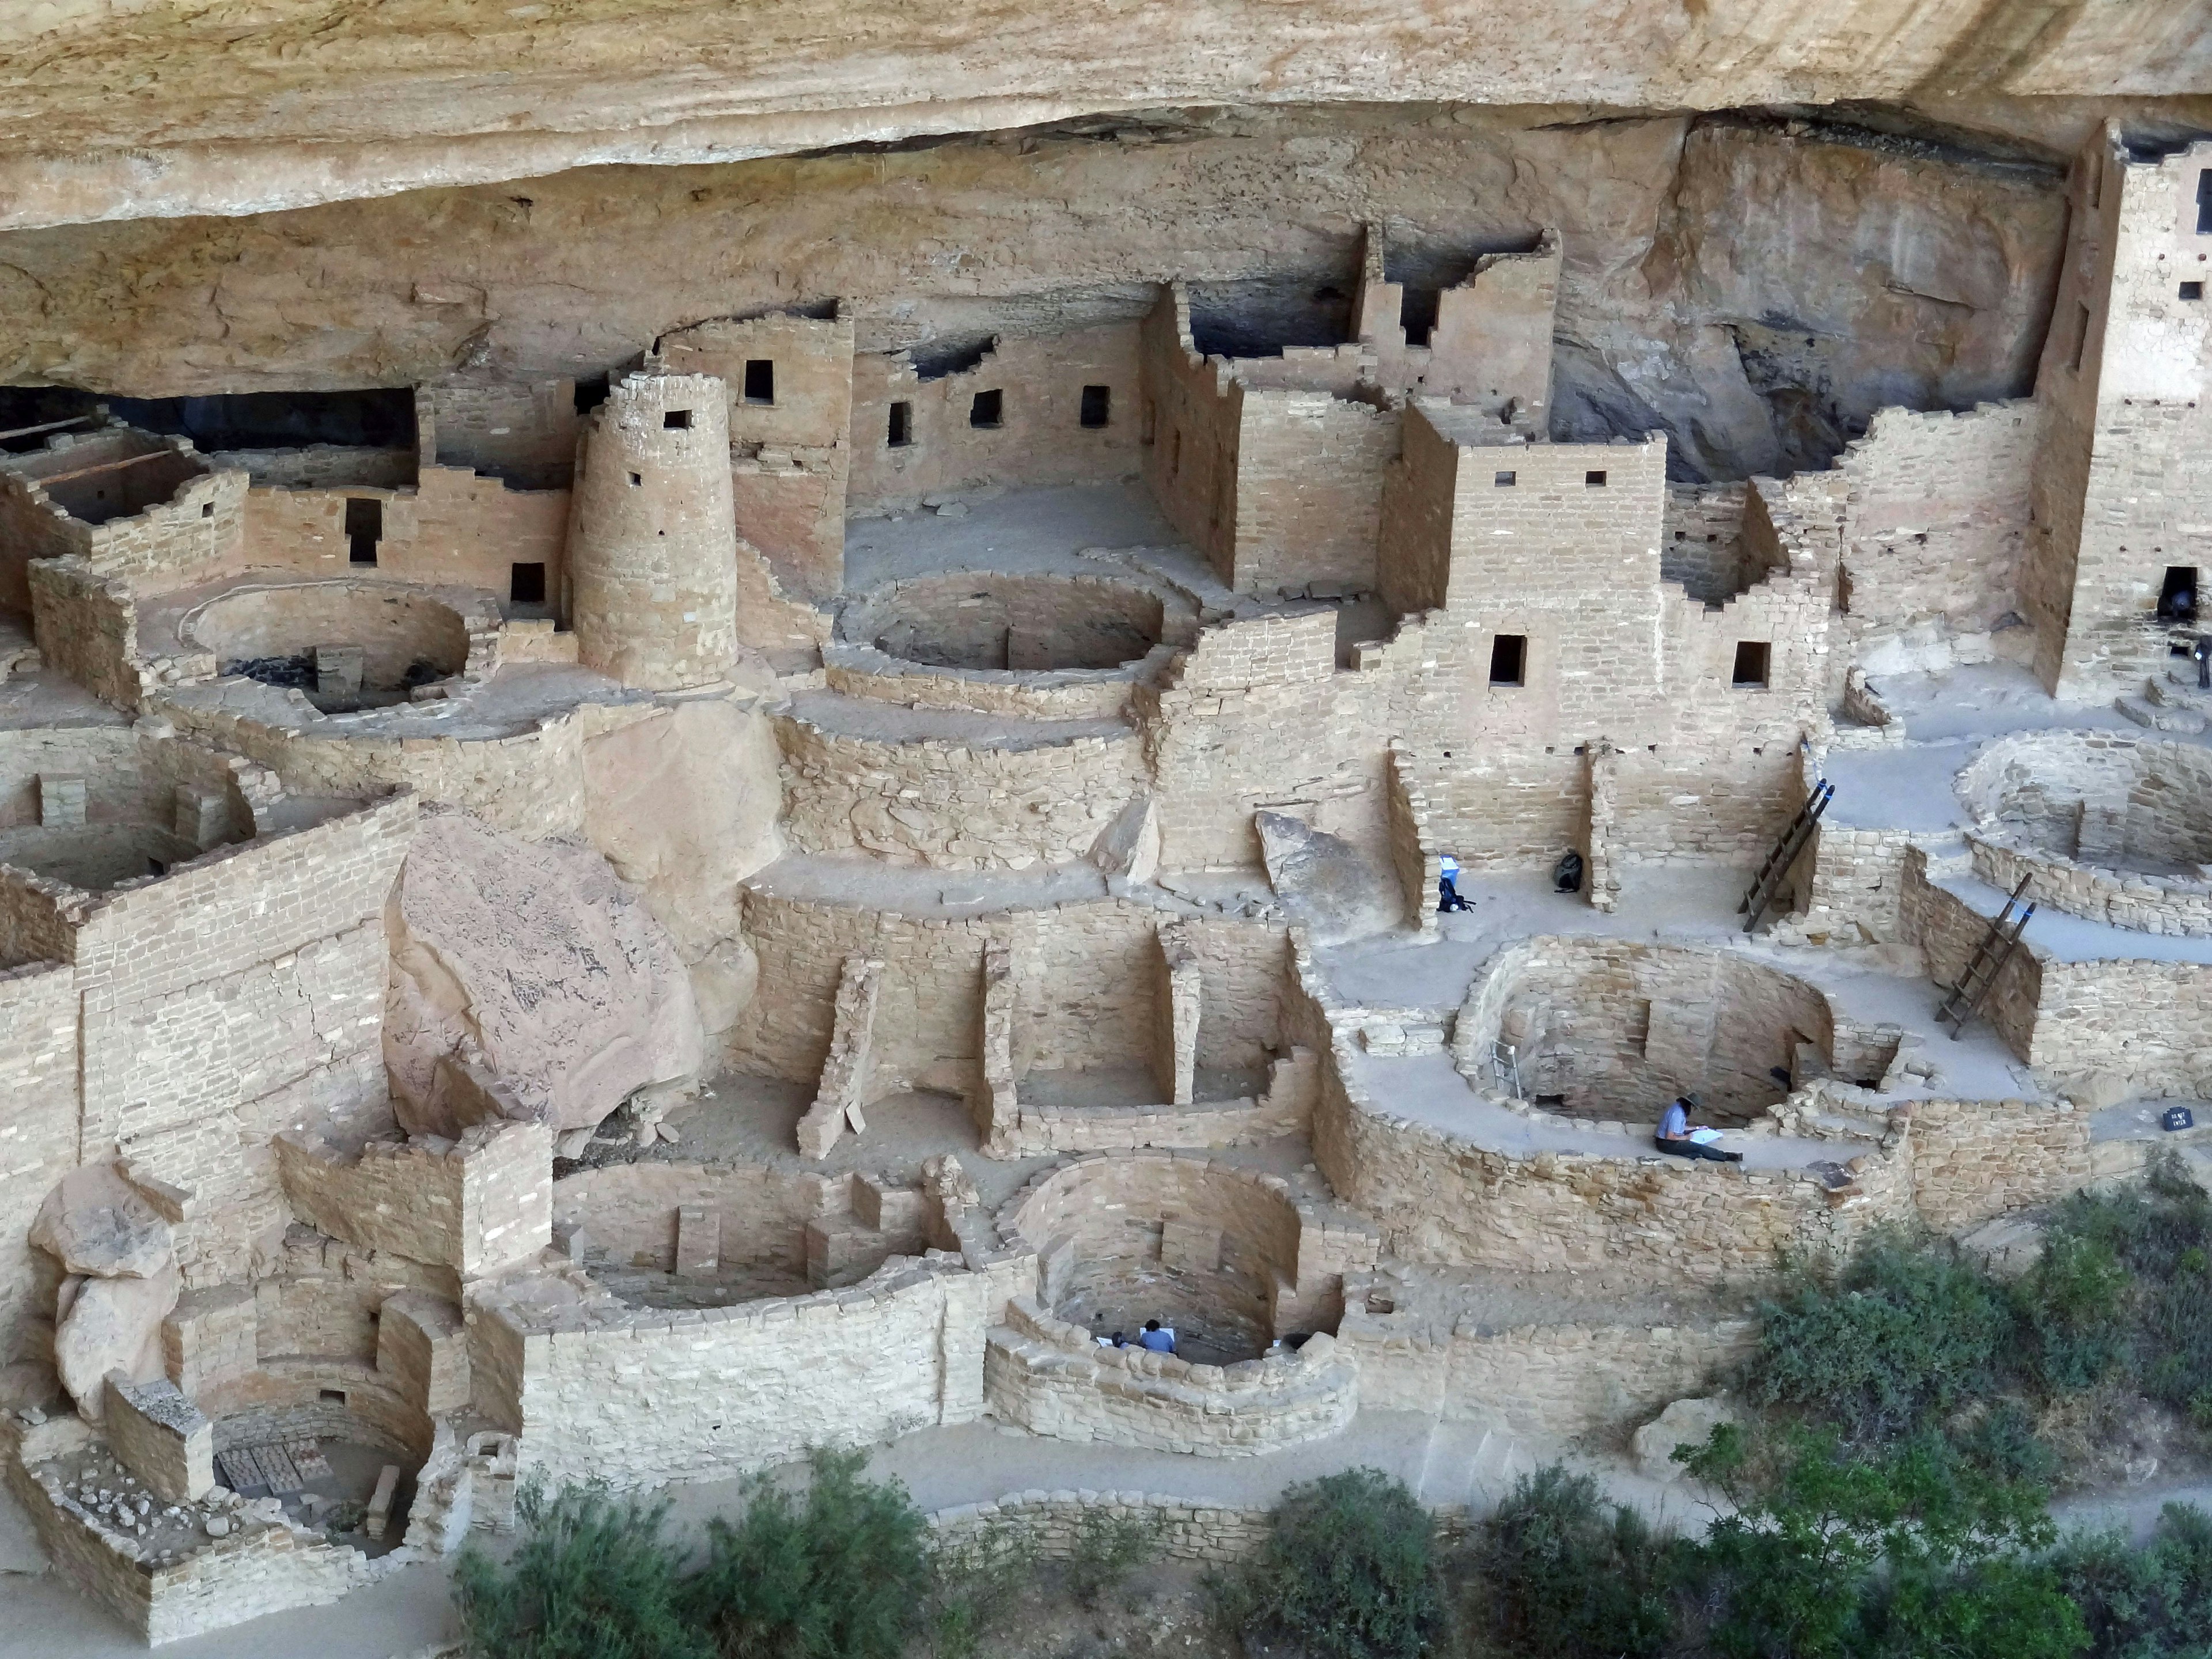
x=1052, y=1378
x=641, y=1396
x=1559, y=1380
x=1189, y=1528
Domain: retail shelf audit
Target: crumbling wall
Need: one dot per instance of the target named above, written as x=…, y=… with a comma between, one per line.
x=523, y=432
x=1038, y=440
x=453, y=527
x=952, y=805
x=1189, y=423
x=475, y=1205
x=759, y=1212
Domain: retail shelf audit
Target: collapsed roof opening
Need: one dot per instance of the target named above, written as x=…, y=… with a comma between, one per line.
x=939, y=358
x=1259, y=317
x=378, y=418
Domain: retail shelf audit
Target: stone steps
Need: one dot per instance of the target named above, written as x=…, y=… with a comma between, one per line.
x=1473, y=1461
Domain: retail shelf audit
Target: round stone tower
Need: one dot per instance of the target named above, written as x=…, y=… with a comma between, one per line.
x=653, y=555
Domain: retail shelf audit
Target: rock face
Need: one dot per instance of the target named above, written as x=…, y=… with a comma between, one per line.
x=95, y=1224
x=1875, y=271
x=535, y=961
x=684, y=805
x=1685, y=1423
x=301, y=101
x=113, y=1325
x=1326, y=881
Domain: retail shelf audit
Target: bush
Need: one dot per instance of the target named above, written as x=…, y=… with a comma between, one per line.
x=1564, y=1579
x=2149, y=1603
x=2161, y=1234
x=591, y=1579
x=1905, y=1334
x=2076, y=1312
x=1913, y=1553
x=1109, y=1547
x=1347, y=1572
x=978, y=1577
x=842, y=1573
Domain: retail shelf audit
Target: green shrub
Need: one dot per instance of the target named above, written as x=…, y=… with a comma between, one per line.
x=591, y=1579
x=1347, y=1572
x=1907, y=1333
x=2076, y=1313
x=1565, y=1579
x=843, y=1572
x=1827, y=1553
x=1107, y=1548
x=2149, y=1603
x=2160, y=1233
x=978, y=1577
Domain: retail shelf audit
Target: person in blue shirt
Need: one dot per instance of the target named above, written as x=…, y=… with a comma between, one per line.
x=1156, y=1340
x=1674, y=1139
x=1448, y=893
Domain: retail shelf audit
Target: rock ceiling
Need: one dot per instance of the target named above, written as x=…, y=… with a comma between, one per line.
x=134, y=108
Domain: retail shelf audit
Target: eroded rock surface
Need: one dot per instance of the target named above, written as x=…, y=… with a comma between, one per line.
x=536, y=960
x=1328, y=883
x=95, y=1223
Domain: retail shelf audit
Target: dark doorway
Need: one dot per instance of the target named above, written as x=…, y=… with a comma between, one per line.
x=760, y=380
x=902, y=426
x=525, y=584
x=2177, y=596
x=364, y=528
x=988, y=409
x=1097, y=404
x=1751, y=660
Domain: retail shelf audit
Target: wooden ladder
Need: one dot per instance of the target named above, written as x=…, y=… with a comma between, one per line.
x=1964, y=1000
x=1760, y=894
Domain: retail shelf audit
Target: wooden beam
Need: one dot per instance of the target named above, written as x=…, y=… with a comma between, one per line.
x=103, y=466
x=51, y=425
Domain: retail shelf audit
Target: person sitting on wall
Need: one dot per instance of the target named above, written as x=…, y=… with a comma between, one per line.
x=1448, y=893
x=1156, y=1338
x=1679, y=1138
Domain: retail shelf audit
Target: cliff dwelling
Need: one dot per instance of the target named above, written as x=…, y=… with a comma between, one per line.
x=674, y=790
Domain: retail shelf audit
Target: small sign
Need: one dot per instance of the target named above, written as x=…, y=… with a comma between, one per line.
x=2177, y=1117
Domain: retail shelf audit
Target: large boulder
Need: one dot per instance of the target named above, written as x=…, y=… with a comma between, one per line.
x=1685, y=1423
x=534, y=961
x=684, y=804
x=96, y=1223
x=1325, y=882
x=112, y=1324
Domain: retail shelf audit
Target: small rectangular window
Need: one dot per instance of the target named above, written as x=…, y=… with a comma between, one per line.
x=901, y=431
x=2192, y=290
x=364, y=528
x=1594, y=479
x=1750, y=663
x=2204, y=203
x=525, y=584
x=207, y=509
x=332, y=1397
x=1098, y=403
x=987, y=409
x=2081, y=336
x=1505, y=481
x=1508, y=658
x=636, y=479
x=1417, y=313
x=760, y=380
x=677, y=420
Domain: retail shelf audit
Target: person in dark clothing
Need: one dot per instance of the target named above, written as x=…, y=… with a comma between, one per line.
x=1676, y=1135
x=1448, y=893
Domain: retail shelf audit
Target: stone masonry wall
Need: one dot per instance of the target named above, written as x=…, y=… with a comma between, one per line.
x=476, y=1205
x=39, y=1136
x=952, y=805
x=640, y=1396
